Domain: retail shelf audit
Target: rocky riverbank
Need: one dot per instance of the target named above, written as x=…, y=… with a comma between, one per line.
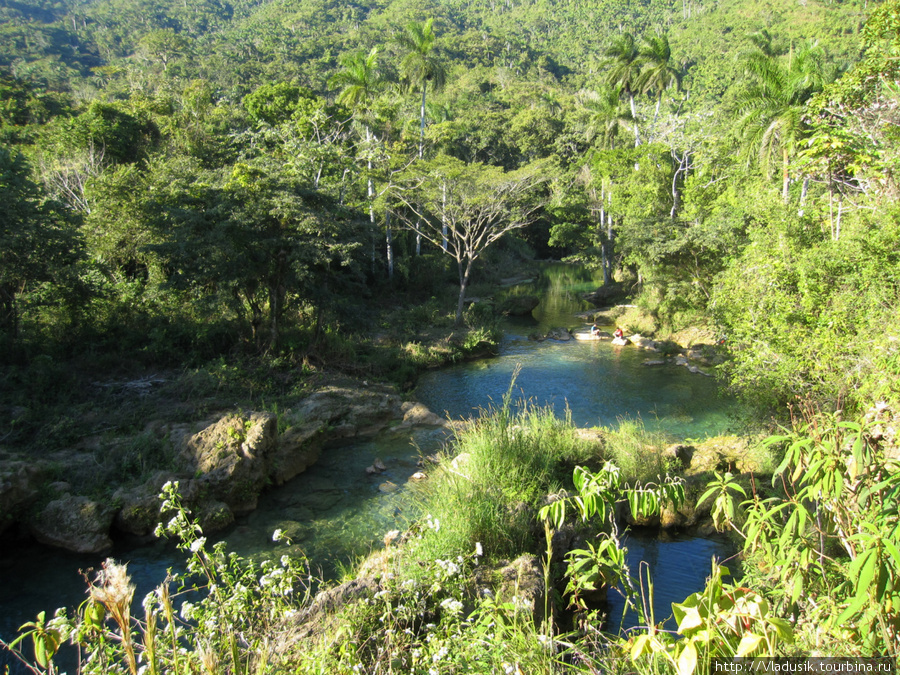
x=223, y=463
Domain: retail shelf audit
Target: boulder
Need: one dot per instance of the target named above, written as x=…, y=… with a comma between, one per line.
x=607, y=294
x=319, y=616
x=139, y=512
x=231, y=458
x=416, y=414
x=725, y=453
x=639, y=340
x=522, y=582
x=74, y=523
x=705, y=355
x=347, y=411
x=608, y=317
x=20, y=484
x=680, y=454
x=560, y=334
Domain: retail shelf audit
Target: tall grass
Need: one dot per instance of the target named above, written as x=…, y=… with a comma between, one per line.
x=507, y=461
x=637, y=451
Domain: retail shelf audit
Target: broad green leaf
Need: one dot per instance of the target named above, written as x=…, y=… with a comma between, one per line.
x=641, y=646
x=797, y=589
x=689, y=617
x=783, y=628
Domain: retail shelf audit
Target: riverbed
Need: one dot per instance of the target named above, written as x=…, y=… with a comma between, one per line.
x=338, y=512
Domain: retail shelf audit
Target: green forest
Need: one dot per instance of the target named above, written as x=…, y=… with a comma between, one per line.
x=196, y=180
x=253, y=193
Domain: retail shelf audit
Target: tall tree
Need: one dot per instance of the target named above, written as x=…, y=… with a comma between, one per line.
x=420, y=66
x=477, y=205
x=360, y=80
x=38, y=240
x=250, y=236
x=771, y=104
x=658, y=74
x=604, y=115
x=624, y=58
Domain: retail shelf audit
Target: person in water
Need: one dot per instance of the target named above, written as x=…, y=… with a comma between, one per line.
x=595, y=330
x=619, y=334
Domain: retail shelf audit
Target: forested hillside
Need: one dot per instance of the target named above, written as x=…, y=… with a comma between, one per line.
x=253, y=196
x=189, y=179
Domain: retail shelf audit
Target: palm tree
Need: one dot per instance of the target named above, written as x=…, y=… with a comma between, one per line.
x=360, y=80
x=420, y=66
x=625, y=71
x=658, y=74
x=605, y=114
x=771, y=104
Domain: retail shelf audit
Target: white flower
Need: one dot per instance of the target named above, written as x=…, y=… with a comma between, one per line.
x=278, y=534
x=197, y=544
x=452, y=605
x=187, y=611
x=437, y=656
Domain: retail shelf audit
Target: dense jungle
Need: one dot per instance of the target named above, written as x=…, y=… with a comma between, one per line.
x=219, y=208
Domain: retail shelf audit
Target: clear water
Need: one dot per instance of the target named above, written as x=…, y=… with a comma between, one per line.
x=335, y=511
x=677, y=565
x=598, y=382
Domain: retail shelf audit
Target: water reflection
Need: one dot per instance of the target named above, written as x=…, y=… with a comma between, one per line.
x=678, y=566
x=597, y=382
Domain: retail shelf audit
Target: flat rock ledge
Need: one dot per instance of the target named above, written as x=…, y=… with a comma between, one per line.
x=222, y=466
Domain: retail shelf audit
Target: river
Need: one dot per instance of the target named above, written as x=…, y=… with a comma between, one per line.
x=336, y=512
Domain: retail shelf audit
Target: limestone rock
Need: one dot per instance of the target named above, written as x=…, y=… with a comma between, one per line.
x=559, y=334
x=139, y=513
x=725, y=453
x=705, y=355
x=639, y=340
x=316, y=619
x=20, y=484
x=74, y=523
x=416, y=414
x=522, y=582
x=606, y=294
x=682, y=454
x=348, y=411
x=231, y=458
x=298, y=449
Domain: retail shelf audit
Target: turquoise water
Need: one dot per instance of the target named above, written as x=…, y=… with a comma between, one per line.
x=599, y=383
x=335, y=511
